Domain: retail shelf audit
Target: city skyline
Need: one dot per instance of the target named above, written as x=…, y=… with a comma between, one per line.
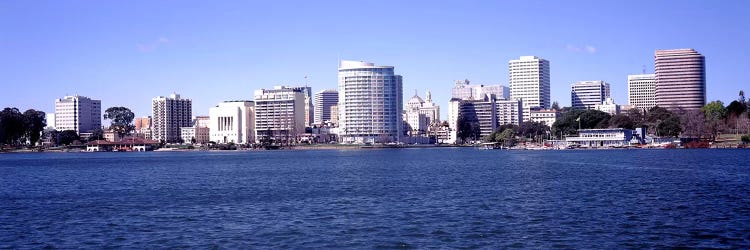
x=161, y=54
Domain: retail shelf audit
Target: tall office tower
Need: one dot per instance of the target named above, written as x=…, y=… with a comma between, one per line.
x=279, y=114
x=323, y=102
x=232, y=122
x=530, y=82
x=78, y=113
x=370, y=103
x=641, y=91
x=680, y=79
x=465, y=91
x=169, y=115
x=588, y=94
x=309, y=107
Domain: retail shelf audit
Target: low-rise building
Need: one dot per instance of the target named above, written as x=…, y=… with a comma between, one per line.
x=544, y=116
x=608, y=106
x=608, y=137
x=232, y=122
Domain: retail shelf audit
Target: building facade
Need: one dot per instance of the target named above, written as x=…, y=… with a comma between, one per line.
x=544, y=116
x=530, y=82
x=169, y=114
x=680, y=79
x=608, y=106
x=323, y=102
x=279, y=115
x=588, y=94
x=78, y=113
x=420, y=114
x=465, y=91
x=370, y=103
x=232, y=122
x=642, y=91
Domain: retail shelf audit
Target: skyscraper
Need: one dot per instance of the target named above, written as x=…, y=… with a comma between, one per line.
x=169, y=115
x=78, y=113
x=588, y=94
x=279, y=114
x=641, y=91
x=370, y=103
x=530, y=82
x=680, y=79
x=323, y=102
x=309, y=108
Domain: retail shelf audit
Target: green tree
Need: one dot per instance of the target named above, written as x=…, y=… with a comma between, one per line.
x=507, y=137
x=669, y=127
x=735, y=109
x=467, y=128
x=122, y=120
x=67, y=137
x=12, y=126
x=531, y=129
x=555, y=106
x=35, y=122
x=638, y=117
x=621, y=121
x=96, y=134
x=714, y=110
x=570, y=122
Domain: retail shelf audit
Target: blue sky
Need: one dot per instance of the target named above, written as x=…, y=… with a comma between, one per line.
x=127, y=52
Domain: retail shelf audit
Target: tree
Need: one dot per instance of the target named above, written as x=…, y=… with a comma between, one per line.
x=637, y=116
x=693, y=124
x=715, y=114
x=96, y=134
x=555, y=105
x=657, y=114
x=12, y=126
x=531, y=129
x=621, y=121
x=507, y=137
x=466, y=127
x=35, y=122
x=67, y=137
x=669, y=127
x=122, y=119
x=735, y=109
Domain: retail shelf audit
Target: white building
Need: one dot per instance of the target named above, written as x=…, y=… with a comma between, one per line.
x=232, y=122
x=530, y=82
x=279, y=114
x=608, y=106
x=544, y=116
x=465, y=91
x=420, y=114
x=370, y=103
x=642, y=91
x=50, y=121
x=588, y=94
x=78, y=113
x=490, y=113
x=309, y=107
x=323, y=102
x=509, y=111
x=187, y=134
x=169, y=115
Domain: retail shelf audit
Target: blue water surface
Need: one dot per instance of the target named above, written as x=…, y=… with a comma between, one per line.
x=388, y=198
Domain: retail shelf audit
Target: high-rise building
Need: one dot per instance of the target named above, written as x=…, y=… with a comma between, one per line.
x=680, y=79
x=279, y=114
x=465, y=91
x=641, y=91
x=309, y=107
x=370, y=103
x=232, y=122
x=530, y=82
x=169, y=114
x=78, y=113
x=323, y=102
x=588, y=94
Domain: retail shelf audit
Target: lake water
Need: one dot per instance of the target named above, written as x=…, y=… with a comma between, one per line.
x=389, y=198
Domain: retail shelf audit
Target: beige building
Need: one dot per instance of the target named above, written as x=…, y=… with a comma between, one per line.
x=232, y=122
x=169, y=115
x=680, y=79
x=279, y=114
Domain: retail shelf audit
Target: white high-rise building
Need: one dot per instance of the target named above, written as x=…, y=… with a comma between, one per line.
x=232, y=122
x=370, y=103
x=642, y=91
x=323, y=102
x=169, y=115
x=530, y=82
x=279, y=114
x=78, y=113
x=465, y=91
x=588, y=94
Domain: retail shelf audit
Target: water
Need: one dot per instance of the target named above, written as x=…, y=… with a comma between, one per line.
x=377, y=199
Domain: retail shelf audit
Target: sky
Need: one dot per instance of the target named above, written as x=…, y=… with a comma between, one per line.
x=127, y=52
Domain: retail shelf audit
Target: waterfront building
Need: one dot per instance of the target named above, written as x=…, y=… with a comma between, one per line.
x=530, y=83
x=490, y=113
x=323, y=102
x=509, y=111
x=187, y=134
x=142, y=123
x=279, y=114
x=588, y=94
x=202, y=130
x=370, y=103
x=642, y=91
x=170, y=113
x=608, y=106
x=608, y=137
x=111, y=136
x=465, y=91
x=544, y=116
x=335, y=114
x=420, y=114
x=309, y=107
x=680, y=79
x=78, y=113
x=50, y=117
x=232, y=122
